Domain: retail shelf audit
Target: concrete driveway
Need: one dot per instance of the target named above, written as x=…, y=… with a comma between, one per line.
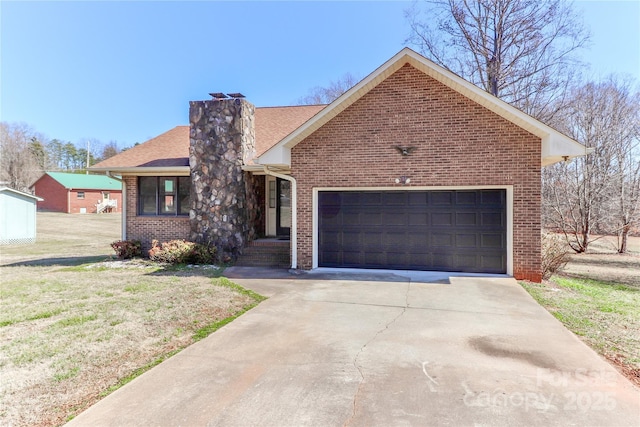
x=337, y=349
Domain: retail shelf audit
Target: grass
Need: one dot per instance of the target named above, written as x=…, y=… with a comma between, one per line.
x=74, y=330
x=604, y=314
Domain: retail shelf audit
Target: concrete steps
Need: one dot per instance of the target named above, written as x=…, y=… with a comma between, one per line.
x=265, y=253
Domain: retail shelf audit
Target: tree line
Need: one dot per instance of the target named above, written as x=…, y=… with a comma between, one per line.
x=26, y=154
x=526, y=52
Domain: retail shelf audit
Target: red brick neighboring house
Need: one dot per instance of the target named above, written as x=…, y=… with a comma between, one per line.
x=412, y=168
x=78, y=193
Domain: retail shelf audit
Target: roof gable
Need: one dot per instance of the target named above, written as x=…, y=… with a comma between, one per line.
x=555, y=145
x=85, y=182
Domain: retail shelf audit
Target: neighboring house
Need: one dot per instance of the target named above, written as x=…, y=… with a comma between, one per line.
x=78, y=193
x=412, y=168
x=17, y=216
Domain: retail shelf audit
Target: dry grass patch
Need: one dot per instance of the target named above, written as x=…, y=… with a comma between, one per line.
x=69, y=334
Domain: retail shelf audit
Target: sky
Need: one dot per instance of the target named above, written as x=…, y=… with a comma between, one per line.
x=125, y=71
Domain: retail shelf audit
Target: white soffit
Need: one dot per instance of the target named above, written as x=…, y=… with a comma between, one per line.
x=555, y=145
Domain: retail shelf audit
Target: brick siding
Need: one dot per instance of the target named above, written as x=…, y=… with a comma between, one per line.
x=459, y=143
x=146, y=228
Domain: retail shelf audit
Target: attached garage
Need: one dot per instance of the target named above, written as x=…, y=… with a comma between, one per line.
x=446, y=230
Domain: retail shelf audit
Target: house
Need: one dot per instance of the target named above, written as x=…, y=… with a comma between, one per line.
x=17, y=216
x=78, y=193
x=412, y=168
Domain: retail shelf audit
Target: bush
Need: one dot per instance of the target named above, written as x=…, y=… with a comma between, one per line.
x=554, y=254
x=181, y=252
x=127, y=249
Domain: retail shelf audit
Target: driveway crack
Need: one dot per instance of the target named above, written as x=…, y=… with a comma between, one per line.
x=376, y=335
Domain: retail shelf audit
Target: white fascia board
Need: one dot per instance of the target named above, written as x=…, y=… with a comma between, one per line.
x=557, y=148
x=152, y=171
x=280, y=154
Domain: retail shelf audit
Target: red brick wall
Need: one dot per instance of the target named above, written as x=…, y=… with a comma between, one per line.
x=57, y=199
x=147, y=228
x=459, y=143
x=53, y=193
x=91, y=199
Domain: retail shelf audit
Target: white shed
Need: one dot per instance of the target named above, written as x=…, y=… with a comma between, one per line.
x=17, y=216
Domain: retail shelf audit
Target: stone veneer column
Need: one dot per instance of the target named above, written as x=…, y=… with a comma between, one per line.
x=222, y=140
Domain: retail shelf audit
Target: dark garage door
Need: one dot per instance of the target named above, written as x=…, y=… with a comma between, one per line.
x=461, y=230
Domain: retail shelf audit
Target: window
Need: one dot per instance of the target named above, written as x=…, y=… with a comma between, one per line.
x=164, y=195
x=272, y=194
x=80, y=194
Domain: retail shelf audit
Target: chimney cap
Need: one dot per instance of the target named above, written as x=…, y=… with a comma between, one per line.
x=236, y=95
x=218, y=95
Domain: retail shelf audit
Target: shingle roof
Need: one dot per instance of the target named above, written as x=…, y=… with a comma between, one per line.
x=171, y=149
x=85, y=182
x=274, y=123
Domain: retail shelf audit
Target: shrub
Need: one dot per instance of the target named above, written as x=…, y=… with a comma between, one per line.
x=181, y=252
x=554, y=254
x=127, y=249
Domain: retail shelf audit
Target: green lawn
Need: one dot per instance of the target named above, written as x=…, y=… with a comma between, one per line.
x=605, y=315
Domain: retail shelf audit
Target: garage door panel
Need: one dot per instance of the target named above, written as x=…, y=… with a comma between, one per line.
x=491, y=197
x=466, y=219
x=490, y=264
x=439, y=219
x=492, y=218
x=394, y=218
x=442, y=240
x=424, y=230
x=466, y=198
x=466, y=241
x=372, y=239
x=441, y=198
x=492, y=241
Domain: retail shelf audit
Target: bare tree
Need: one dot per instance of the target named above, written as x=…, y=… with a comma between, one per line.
x=598, y=193
x=522, y=51
x=326, y=95
x=109, y=150
x=19, y=164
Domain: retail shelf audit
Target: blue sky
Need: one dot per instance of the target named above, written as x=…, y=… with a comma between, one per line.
x=126, y=71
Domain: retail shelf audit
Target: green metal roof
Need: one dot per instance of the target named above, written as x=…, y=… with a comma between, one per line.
x=85, y=182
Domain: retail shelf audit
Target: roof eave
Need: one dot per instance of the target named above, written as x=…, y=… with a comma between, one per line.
x=280, y=154
x=558, y=148
x=142, y=171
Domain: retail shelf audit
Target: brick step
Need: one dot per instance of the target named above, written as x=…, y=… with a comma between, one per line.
x=253, y=263
x=262, y=262
x=265, y=253
x=273, y=250
x=269, y=243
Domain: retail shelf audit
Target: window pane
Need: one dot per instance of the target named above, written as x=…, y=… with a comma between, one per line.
x=147, y=195
x=167, y=197
x=167, y=204
x=272, y=194
x=184, y=197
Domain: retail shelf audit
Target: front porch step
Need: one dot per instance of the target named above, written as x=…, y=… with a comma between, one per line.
x=265, y=253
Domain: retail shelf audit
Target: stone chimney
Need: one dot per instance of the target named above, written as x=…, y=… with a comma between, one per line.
x=222, y=140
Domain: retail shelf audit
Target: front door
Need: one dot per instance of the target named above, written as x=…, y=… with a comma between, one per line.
x=283, y=208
